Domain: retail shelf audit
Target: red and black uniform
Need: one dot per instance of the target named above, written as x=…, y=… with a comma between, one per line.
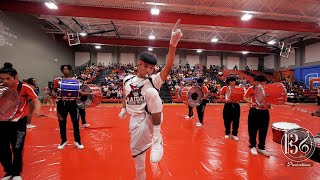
x=202, y=106
x=258, y=120
x=65, y=106
x=13, y=132
x=231, y=114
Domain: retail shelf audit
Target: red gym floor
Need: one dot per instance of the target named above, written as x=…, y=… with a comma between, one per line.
x=190, y=152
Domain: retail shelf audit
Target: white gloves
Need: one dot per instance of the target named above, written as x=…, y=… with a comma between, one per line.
x=175, y=35
x=122, y=113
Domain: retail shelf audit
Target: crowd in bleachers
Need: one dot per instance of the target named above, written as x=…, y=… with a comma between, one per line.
x=91, y=72
x=180, y=77
x=111, y=86
x=295, y=90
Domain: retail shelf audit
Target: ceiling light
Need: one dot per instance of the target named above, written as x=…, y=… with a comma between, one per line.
x=152, y=37
x=150, y=49
x=272, y=42
x=83, y=34
x=98, y=47
x=51, y=5
x=246, y=17
x=245, y=52
x=214, y=40
x=199, y=51
x=155, y=11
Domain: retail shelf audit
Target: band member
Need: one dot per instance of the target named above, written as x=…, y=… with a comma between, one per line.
x=32, y=82
x=142, y=101
x=190, y=113
x=52, y=97
x=202, y=106
x=13, y=131
x=82, y=111
x=258, y=118
x=231, y=110
x=65, y=106
x=190, y=109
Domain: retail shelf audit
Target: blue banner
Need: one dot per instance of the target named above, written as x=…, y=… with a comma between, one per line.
x=304, y=74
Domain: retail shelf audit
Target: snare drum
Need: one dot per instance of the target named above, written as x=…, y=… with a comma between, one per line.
x=234, y=93
x=69, y=88
x=9, y=102
x=279, y=128
x=92, y=100
x=271, y=94
x=192, y=96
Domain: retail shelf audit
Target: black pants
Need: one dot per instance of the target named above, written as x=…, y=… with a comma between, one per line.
x=231, y=114
x=318, y=100
x=12, y=137
x=82, y=113
x=190, y=114
x=258, y=120
x=200, y=110
x=63, y=108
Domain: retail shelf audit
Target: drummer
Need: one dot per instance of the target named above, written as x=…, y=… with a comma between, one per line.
x=258, y=118
x=65, y=106
x=231, y=110
x=13, y=131
x=190, y=109
x=82, y=111
x=202, y=106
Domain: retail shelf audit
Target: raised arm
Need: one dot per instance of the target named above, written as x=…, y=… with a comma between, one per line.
x=175, y=38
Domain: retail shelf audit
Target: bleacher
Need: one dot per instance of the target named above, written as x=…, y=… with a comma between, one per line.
x=309, y=96
x=173, y=96
x=240, y=74
x=256, y=73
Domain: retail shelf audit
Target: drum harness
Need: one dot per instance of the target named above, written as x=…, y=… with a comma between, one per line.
x=150, y=79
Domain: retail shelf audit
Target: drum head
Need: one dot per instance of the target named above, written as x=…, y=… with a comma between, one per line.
x=194, y=96
x=260, y=95
x=85, y=101
x=91, y=100
x=9, y=102
x=285, y=125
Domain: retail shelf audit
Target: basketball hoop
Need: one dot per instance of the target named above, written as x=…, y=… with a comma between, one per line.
x=285, y=49
x=73, y=39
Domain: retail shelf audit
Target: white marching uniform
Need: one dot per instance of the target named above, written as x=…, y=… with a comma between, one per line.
x=139, y=93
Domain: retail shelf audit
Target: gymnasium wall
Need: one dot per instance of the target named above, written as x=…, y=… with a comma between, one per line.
x=312, y=53
x=32, y=52
x=253, y=61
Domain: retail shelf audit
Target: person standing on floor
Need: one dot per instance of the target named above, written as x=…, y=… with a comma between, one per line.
x=65, y=106
x=258, y=118
x=142, y=101
x=202, y=106
x=13, y=131
x=82, y=111
x=32, y=82
x=231, y=110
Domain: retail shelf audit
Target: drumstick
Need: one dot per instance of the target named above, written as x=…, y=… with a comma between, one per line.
x=176, y=25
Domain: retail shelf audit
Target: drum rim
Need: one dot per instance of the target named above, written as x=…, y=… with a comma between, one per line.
x=281, y=129
x=18, y=101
